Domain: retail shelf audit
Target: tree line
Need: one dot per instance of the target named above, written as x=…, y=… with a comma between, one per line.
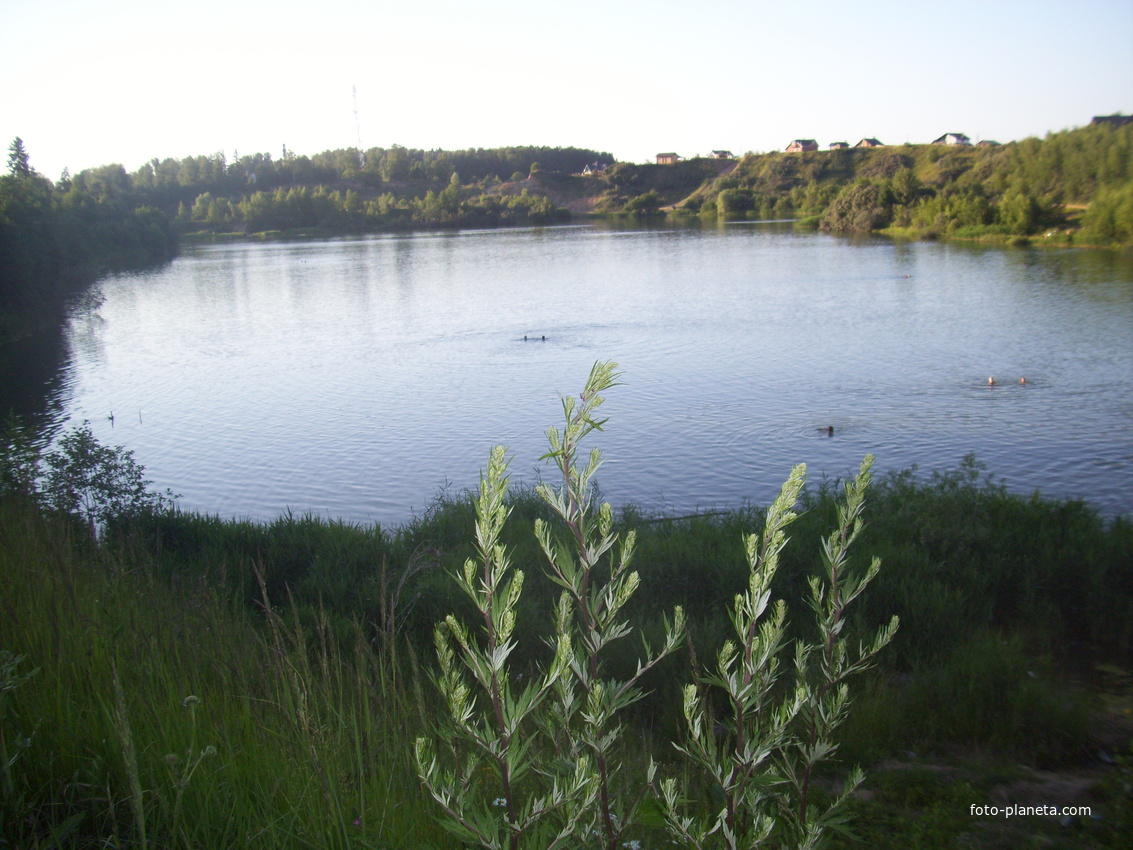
x=404, y=173
x=349, y=210
x=54, y=237
x=350, y=190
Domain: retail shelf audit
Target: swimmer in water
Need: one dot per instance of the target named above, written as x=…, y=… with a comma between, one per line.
x=1022, y=380
x=829, y=430
x=991, y=382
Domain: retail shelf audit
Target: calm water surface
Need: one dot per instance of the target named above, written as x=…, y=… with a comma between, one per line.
x=357, y=378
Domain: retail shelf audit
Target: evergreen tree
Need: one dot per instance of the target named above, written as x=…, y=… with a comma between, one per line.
x=18, y=164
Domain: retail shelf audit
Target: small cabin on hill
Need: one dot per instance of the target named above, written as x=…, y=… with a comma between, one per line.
x=986, y=143
x=1112, y=120
x=667, y=159
x=801, y=145
x=952, y=139
x=723, y=155
x=869, y=143
x=839, y=146
x=595, y=168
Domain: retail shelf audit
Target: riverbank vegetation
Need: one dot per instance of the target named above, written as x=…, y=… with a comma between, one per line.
x=1072, y=187
x=57, y=237
x=174, y=679
x=352, y=191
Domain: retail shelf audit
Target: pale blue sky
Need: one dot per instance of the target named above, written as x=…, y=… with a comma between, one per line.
x=86, y=83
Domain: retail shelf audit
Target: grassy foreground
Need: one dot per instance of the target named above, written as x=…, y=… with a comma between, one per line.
x=187, y=681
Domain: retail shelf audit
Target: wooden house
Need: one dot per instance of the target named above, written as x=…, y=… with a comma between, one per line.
x=723, y=155
x=1112, y=120
x=869, y=143
x=952, y=139
x=667, y=159
x=839, y=146
x=800, y=145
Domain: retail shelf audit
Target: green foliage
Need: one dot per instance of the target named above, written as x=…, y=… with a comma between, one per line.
x=99, y=484
x=861, y=207
x=760, y=751
x=18, y=164
x=343, y=190
x=162, y=703
x=79, y=478
x=996, y=191
x=993, y=691
x=301, y=639
x=493, y=732
x=584, y=720
x=19, y=460
x=1019, y=211
x=54, y=238
x=624, y=182
x=571, y=701
x=738, y=754
x=645, y=204
x=321, y=208
x=731, y=203
x=555, y=751
x=15, y=741
x=1109, y=219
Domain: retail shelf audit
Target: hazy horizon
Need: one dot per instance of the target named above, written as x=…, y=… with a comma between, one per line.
x=123, y=81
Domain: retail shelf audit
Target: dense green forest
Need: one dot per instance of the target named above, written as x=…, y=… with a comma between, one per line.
x=355, y=191
x=54, y=237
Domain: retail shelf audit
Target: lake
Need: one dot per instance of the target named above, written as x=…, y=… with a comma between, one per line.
x=359, y=378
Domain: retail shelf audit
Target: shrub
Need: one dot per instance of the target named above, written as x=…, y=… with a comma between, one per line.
x=860, y=207
x=83, y=478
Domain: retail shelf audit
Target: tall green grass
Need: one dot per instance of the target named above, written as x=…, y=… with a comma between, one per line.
x=172, y=715
x=962, y=559
x=188, y=681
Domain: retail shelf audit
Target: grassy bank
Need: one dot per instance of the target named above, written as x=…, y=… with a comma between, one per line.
x=188, y=681
x=139, y=711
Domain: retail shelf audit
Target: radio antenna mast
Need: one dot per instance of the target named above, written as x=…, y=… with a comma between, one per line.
x=357, y=124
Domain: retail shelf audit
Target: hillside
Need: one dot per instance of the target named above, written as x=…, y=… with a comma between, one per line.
x=611, y=190
x=1073, y=187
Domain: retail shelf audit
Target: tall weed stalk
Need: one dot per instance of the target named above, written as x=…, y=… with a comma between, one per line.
x=583, y=720
x=489, y=787
x=544, y=767
x=760, y=751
